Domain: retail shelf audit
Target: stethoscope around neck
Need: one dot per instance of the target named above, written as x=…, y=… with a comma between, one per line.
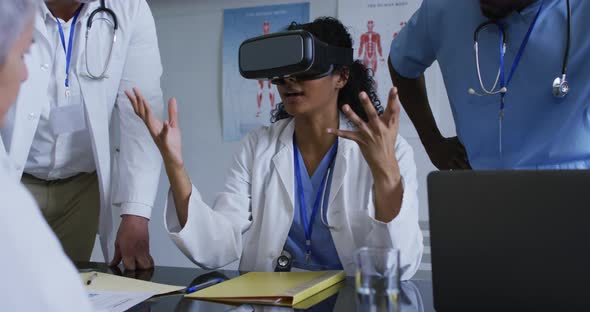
x=325, y=187
x=560, y=87
x=115, y=23
x=285, y=260
x=326, y=182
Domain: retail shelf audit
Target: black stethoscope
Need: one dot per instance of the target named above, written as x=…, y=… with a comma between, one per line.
x=560, y=87
x=91, y=19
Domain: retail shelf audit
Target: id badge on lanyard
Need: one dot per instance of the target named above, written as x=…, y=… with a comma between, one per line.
x=71, y=117
x=68, y=48
x=308, y=222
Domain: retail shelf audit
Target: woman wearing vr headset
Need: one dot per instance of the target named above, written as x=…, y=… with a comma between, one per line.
x=329, y=176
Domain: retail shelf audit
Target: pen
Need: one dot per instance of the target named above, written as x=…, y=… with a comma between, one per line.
x=91, y=278
x=192, y=289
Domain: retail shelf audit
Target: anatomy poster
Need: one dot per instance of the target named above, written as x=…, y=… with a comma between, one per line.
x=247, y=104
x=373, y=25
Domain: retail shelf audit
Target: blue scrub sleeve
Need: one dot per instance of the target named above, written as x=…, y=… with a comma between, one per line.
x=412, y=51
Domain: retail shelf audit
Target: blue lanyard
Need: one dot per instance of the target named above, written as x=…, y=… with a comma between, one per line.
x=518, y=55
x=505, y=83
x=308, y=223
x=68, y=49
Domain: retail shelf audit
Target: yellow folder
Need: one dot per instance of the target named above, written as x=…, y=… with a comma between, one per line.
x=281, y=288
x=319, y=297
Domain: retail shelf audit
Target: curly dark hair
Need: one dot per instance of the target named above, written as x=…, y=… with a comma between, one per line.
x=333, y=32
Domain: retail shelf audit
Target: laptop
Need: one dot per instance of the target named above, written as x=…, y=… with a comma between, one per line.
x=510, y=240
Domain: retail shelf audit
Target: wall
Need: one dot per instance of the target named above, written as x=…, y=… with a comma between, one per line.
x=190, y=37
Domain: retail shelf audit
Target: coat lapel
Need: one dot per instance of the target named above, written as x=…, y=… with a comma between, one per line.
x=26, y=114
x=340, y=166
x=20, y=129
x=97, y=120
x=283, y=161
x=98, y=126
x=41, y=33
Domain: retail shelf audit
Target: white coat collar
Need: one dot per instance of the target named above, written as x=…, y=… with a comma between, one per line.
x=86, y=10
x=44, y=14
x=5, y=164
x=40, y=18
x=286, y=136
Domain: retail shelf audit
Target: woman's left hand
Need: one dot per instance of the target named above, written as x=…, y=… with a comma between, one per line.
x=376, y=137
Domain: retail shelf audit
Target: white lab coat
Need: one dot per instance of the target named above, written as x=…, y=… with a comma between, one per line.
x=251, y=218
x=36, y=275
x=128, y=163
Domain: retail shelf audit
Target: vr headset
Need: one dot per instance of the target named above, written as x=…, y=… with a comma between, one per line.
x=295, y=53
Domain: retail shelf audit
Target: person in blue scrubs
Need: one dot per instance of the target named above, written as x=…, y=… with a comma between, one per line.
x=533, y=129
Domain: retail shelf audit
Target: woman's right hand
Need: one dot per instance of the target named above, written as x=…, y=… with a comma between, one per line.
x=166, y=135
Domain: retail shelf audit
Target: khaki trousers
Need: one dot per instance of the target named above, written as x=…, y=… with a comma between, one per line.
x=71, y=207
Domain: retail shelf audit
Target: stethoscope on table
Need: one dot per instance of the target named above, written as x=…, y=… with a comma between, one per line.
x=560, y=87
x=89, y=23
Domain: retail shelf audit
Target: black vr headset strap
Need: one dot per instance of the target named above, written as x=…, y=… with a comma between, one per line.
x=339, y=55
x=331, y=55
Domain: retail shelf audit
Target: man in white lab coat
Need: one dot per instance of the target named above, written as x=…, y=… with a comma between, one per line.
x=36, y=274
x=72, y=137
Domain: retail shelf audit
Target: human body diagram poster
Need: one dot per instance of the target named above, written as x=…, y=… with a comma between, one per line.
x=247, y=104
x=373, y=25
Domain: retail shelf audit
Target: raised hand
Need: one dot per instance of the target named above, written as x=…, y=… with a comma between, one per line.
x=376, y=137
x=167, y=137
x=167, y=134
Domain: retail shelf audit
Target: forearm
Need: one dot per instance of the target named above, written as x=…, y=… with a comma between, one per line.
x=414, y=99
x=138, y=166
x=181, y=187
x=388, y=193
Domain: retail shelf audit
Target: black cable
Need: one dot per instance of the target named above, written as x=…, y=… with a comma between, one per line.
x=567, y=46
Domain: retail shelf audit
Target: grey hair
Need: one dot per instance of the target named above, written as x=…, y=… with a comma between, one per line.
x=14, y=16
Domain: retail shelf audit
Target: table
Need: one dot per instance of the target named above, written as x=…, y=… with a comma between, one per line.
x=416, y=294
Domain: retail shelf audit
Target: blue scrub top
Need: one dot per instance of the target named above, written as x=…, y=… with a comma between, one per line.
x=539, y=130
x=323, y=251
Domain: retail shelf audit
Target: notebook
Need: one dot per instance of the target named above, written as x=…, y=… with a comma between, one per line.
x=270, y=288
x=114, y=283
